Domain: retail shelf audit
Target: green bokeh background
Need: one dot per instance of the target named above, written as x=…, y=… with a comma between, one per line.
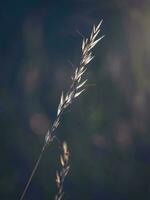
x=107, y=128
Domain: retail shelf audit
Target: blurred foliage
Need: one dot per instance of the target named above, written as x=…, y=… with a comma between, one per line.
x=107, y=128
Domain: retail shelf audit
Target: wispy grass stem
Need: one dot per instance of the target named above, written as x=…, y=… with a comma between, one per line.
x=77, y=87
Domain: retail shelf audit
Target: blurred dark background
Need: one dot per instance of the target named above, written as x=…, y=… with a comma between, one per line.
x=107, y=128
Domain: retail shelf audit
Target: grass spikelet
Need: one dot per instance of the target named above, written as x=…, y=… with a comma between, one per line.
x=60, y=176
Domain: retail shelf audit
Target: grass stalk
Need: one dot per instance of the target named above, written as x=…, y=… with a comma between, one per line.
x=77, y=87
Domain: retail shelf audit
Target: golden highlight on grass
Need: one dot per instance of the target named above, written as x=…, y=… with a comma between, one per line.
x=76, y=88
x=61, y=175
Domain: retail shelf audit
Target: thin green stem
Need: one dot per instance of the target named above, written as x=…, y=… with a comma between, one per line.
x=33, y=171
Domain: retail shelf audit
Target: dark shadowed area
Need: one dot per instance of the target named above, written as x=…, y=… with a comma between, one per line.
x=107, y=128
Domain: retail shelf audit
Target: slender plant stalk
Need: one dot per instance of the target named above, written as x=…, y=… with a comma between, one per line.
x=76, y=89
x=33, y=171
